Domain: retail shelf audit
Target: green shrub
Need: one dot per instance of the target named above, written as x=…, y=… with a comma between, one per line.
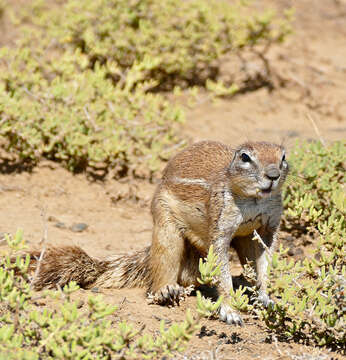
x=67, y=330
x=210, y=270
x=63, y=111
x=184, y=40
x=317, y=181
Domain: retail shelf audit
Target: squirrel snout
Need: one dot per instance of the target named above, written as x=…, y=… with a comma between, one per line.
x=272, y=172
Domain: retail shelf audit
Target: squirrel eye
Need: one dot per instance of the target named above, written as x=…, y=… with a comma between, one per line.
x=245, y=157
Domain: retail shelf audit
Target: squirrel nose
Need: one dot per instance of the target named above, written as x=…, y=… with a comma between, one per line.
x=272, y=172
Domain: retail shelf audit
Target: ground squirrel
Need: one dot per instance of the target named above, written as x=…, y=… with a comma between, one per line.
x=209, y=194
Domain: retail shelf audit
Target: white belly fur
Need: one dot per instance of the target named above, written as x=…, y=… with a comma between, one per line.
x=254, y=213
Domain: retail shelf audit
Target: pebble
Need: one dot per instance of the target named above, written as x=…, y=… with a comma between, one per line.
x=292, y=133
x=78, y=227
x=60, y=225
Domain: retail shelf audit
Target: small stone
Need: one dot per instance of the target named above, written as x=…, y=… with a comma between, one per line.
x=78, y=227
x=95, y=290
x=292, y=133
x=60, y=225
x=291, y=251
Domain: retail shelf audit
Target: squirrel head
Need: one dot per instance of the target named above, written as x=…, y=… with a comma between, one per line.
x=258, y=170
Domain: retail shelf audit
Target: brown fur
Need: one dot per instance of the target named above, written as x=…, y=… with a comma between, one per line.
x=208, y=195
x=60, y=265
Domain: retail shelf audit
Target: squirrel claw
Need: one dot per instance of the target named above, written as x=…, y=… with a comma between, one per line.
x=263, y=298
x=229, y=316
x=169, y=295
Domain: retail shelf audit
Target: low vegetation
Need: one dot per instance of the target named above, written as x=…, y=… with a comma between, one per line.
x=68, y=330
x=80, y=118
x=80, y=85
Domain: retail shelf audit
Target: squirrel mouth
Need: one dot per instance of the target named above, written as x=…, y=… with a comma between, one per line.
x=268, y=189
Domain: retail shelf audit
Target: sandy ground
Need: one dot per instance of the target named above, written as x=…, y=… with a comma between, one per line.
x=312, y=63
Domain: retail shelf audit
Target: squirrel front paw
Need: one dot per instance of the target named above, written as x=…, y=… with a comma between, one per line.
x=229, y=315
x=264, y=299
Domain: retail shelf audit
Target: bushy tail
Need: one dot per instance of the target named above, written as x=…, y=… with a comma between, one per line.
x=60, y=265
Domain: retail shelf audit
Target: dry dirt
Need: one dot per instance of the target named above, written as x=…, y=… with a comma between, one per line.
x=312, y=62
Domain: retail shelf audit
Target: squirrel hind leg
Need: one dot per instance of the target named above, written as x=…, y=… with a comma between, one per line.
x=172, y=270
x=172, y=294
x=60, y=265
x=167, y=254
